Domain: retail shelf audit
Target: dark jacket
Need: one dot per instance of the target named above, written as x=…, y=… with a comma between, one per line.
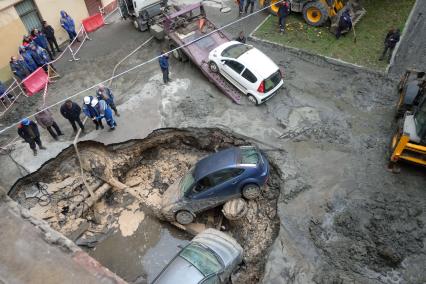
x=392, y=39
x=105, y=95
x=28, y=132
x=19, y=69
x=40, y=56
x=29, y=61
x=242, y=40
x=45, y=118
x=283, y=10
x=71, y=114
x=49, y=32
x=41, y=40
x=164, y=61
x=345, y=21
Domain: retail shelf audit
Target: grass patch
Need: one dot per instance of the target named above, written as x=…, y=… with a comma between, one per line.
x=370, y=33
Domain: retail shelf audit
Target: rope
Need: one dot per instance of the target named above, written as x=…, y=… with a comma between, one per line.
x=143, y=64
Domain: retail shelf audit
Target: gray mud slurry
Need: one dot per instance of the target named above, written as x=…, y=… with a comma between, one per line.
x=121, y=226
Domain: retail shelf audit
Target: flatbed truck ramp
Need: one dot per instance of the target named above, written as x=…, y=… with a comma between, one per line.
x=189, y=29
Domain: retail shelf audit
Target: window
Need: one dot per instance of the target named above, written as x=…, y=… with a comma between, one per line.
x=28, y=13
x=420, y=120
x=249, y=155
x=234, y=65
x=236, y=50
x=203, y=184
x=224, y=175
x=272, y=81
x=249, y=76
x=205, y=261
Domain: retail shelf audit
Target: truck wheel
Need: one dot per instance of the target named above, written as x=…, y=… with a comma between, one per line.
x=252, y=99
x=315, y=13
x=178, y=54
x=213, y=67
x=184, y=217
x=140, y=24
x=251, y=191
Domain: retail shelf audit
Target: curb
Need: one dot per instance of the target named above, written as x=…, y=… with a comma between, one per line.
x=313, y=57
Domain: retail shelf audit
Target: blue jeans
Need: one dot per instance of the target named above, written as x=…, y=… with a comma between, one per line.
x=241, y=6
x=165, y=75
x=72, y=35
x=281, y=22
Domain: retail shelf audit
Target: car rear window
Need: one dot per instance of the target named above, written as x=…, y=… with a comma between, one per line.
x=236, y=50
x=249, y=155
x=272, y=81
x=205, y=261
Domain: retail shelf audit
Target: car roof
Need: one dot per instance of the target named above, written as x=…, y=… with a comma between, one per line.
x=251, y=60
x=179, y=271
x=215, y=162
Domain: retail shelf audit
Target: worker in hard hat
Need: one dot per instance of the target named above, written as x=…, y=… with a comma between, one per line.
x=28, y=130
x=91, y=112
x=104, y=111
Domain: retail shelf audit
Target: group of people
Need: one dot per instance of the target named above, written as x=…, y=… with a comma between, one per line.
x=38, y=48
x=98, y=107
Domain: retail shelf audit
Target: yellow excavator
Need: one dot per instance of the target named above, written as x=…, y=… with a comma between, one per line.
x=317, y=12
x=409, y=141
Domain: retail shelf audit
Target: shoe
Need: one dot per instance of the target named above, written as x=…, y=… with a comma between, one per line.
x=381, y=59
x=43, y=148
x=34, y=152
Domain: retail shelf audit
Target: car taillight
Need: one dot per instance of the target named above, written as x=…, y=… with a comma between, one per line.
x=261, y=88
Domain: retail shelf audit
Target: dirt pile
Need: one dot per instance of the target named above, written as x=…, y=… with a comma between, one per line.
x=371, y=237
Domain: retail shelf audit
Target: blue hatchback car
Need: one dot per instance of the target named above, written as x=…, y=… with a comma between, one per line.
x=222, y=176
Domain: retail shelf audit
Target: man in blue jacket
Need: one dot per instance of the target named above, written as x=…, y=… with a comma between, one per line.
x=40, y=39
x=104, y=111
x=104, y=93
x=91, y=112
x=29, y=61
x=19, y=68
x=164, y=65
x=283, y=11
x=68, y=24
x=40, y=56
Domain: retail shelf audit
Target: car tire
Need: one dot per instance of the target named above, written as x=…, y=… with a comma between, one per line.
x=184, y=217
x=251, y=191
x=252, y=99
x=178, y=54
x=213, y=67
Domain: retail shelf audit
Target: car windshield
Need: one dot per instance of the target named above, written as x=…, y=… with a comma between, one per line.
x=204, y=260
x=187, y=181
x=236, y=50
x=272, y=81
x=249, y=155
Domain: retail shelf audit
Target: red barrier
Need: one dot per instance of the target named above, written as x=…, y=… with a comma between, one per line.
x=36, y=81
x=93, y=23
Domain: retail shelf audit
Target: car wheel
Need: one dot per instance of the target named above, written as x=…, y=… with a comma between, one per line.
x=184, y=217
x=251, y=191
x=252, y=99
x=213, y=67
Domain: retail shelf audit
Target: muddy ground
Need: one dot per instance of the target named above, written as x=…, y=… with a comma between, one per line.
x=343, y=217
x=118, y=221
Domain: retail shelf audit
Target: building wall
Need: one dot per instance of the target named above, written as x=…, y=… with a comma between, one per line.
x=12, y=29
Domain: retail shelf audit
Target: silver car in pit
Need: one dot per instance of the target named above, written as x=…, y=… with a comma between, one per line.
x=210, y=258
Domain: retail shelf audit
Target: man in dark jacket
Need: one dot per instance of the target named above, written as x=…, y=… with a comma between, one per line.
x=104, y=93
x=241, y=38
x=391, y=40
x=45, y=119
x=50, y=35
x=283, y=11
x=345, y=23
x=164, y=65
x=71, y=111
x=19, y=68
x=28, y=130
x=40, y=56
x=40, y=39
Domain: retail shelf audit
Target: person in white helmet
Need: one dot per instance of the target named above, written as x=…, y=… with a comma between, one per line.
x=104, y=111
x=91, y=112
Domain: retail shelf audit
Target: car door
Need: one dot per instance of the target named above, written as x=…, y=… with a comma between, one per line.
x=216, y=188
x=231, y=70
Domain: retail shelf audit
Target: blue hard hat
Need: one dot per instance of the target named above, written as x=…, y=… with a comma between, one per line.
x=25, y=121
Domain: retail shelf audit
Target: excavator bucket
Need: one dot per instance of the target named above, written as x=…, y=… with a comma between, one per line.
x=356, y=11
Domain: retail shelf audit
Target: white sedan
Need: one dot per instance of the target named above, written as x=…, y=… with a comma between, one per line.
x=248, y=69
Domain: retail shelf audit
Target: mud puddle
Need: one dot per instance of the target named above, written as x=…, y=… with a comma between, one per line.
x=120, y=225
